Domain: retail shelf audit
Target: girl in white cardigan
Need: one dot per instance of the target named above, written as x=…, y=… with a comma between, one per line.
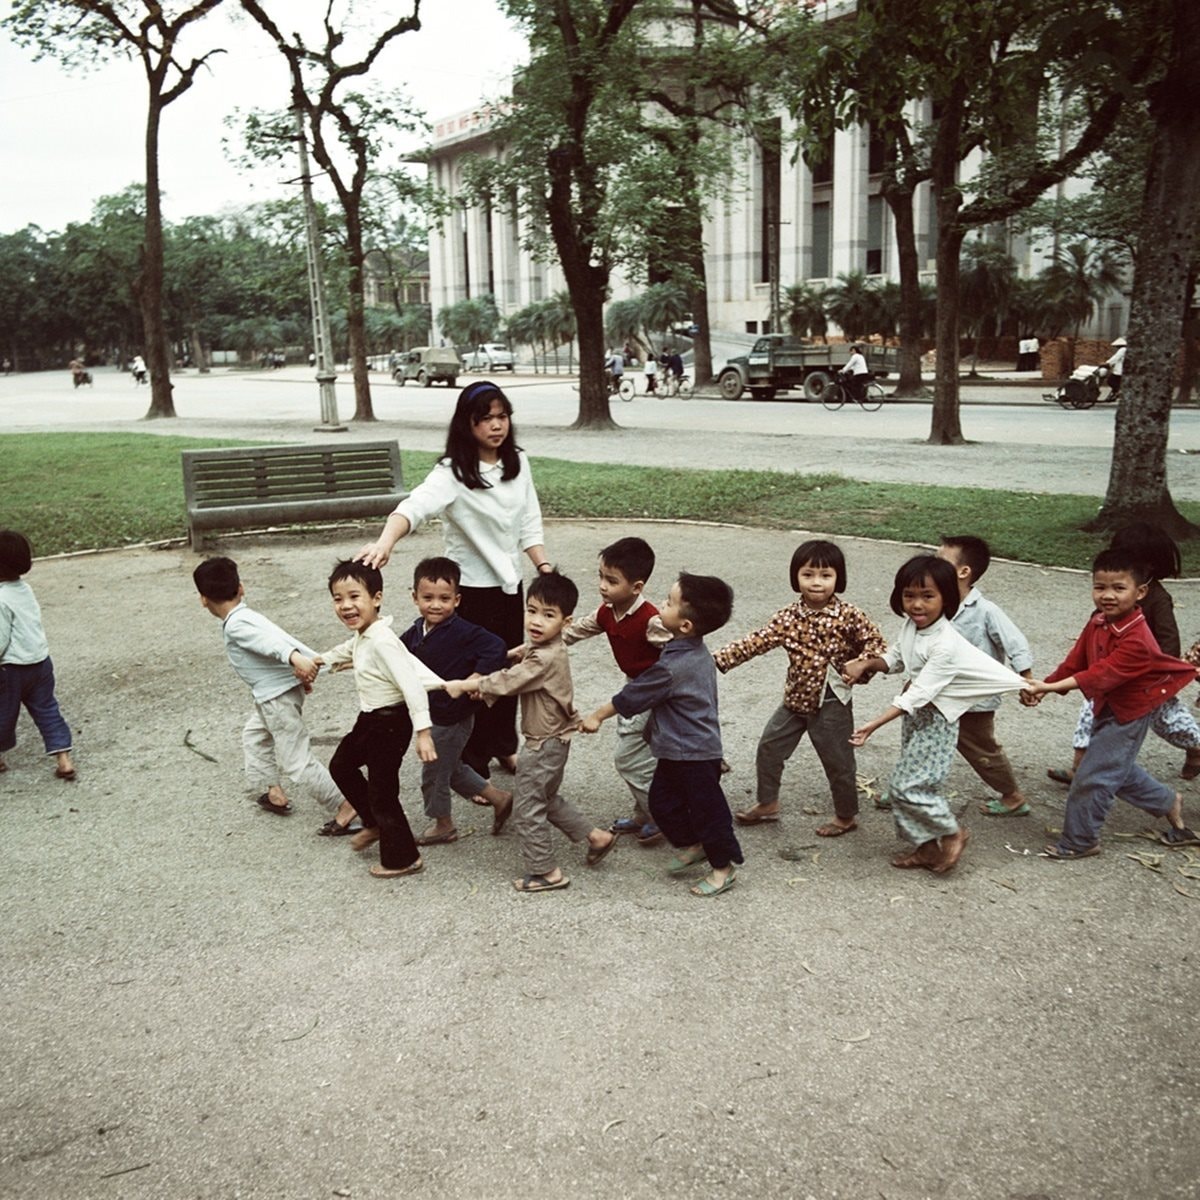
x=946, y=675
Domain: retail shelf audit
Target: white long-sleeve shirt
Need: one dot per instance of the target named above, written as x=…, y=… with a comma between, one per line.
x=386, y=672
x=485, y=529
x=945, y=670
x=22, y=639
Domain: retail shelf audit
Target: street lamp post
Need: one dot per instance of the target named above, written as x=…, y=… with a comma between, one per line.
x=322, y=343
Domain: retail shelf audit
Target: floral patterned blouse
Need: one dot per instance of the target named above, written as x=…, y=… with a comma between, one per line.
x=813, y=638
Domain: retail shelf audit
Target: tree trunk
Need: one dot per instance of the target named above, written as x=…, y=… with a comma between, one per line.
x=199, y=349
x=355, y=320
x=900, y=201
x=945, y=428
x=1137, y=483
x=150, y=274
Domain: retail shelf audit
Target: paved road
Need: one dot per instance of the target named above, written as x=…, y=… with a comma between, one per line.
x=1017, y=441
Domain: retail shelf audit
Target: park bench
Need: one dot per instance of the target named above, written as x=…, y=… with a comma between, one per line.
x=273, y=485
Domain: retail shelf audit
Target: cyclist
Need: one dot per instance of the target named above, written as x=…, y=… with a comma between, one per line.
x=616, y=370
x=675, y=370
x=855, y=375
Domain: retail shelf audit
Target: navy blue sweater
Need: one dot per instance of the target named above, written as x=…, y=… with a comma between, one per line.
x=454, y=649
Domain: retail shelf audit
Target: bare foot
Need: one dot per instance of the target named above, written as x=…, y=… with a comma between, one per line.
x=836, y=827
x=953, y=844
x=65, y=768
x=345, y=813
x=1175, y=812
x=757, y=814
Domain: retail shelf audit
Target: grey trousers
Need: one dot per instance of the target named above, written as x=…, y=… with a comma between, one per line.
x=537, y=805
x=449, y=771
x=276, y=745
x=635, y=763
x=829, y=730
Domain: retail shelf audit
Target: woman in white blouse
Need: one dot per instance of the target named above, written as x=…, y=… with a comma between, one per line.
x=482, y=489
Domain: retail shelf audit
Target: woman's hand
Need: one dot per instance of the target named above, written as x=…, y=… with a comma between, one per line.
x=374, y=554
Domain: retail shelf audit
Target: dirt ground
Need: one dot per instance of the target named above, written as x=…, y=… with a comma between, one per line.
x=203, y=1000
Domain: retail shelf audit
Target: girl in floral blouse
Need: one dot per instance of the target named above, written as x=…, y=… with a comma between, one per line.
x=819, y=632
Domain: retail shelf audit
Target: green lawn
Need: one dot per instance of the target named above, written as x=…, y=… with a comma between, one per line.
x=74, y=491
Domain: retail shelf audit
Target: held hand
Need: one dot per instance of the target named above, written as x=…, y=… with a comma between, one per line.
x=304, y=669
x=1035, y=688
x=517, y=653
x=425, y=750
x=590, y=724
x=1029, y=699
x=859, y=736
x=455, y=688
x=854, y=670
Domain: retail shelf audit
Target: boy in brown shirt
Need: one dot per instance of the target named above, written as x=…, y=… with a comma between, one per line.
x=542, y=680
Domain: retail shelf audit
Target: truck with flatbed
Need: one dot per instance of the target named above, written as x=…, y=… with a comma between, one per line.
x=777, y=363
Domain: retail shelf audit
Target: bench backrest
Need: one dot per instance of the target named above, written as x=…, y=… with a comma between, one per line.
x=256, y=475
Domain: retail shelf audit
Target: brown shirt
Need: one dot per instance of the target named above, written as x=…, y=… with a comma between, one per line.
x=543, y=682
x=813, y=638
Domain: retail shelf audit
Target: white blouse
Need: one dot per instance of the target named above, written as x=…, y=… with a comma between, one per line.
x=485, y=529
x=945, y=670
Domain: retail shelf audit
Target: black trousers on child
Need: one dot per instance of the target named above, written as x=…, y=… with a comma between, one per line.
x=689, y=806
x=495, y=732
x=377, y=742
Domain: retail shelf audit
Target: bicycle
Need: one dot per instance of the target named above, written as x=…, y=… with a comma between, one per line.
x=677, y=385
x=836, y=395
x=622, y=386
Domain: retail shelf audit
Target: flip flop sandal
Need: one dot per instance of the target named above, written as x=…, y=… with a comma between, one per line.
x=685, y=862
x=706, y=889
x=833, y=829
x=625, y=825
x=995, y=808
x=1058, y=855
x=1060, y=776
x=280, y=810
x=539, y=883
x=438, y=839
x=1177, y=838
x=746, y=817
x=597, y=854
x=382, y=872
x=332, y=829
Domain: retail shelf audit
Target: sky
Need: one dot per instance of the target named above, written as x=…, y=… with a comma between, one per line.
x=67, y=138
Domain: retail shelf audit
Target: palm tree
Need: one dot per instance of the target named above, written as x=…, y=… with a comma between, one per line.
x=850, y=303
x=1078, y=279
x=662, y=306
x=560, y=324
x=521, y=330
x=804, y=310
x=985, y=284
x=622, y=322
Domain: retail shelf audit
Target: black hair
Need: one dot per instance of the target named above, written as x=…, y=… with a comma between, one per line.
x=919, y=568
x=16, y=556
x=632, y=556
x=370, y=577
x=217, y=579
x=818, y=554
x=1123, y=559
x=706, y=601
x=462, y=450
x=551, y=588
x=1155, y=547
x=435, y=569
x=974, y=552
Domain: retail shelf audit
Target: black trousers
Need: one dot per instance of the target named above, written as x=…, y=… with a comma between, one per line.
x=689, y=806
x=495, y=732
x=377, y=742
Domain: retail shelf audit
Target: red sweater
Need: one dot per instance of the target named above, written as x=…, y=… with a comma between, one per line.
x=627, y=637
x=1118, y=664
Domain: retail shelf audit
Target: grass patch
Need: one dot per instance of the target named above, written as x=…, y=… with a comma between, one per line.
x=80, y=491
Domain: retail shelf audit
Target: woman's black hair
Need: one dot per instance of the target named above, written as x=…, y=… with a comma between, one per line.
x=818, y=554
x=1153, y=546
x=462, y=450
x=919, y=568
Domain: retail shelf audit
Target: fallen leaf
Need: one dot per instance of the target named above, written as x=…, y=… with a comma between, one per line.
x=858, y=1037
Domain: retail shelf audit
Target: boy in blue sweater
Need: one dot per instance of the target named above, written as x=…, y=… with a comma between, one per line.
x=680, y=691
x=453, y=648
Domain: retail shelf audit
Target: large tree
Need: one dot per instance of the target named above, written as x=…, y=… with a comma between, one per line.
x=80, y=32
x=1170, y=217
x=348, y=128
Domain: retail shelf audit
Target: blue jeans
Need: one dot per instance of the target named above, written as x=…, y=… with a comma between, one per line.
x=1110, y=767
x=32, y=685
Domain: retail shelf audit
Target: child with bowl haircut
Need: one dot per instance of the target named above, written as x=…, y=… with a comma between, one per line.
x=988, y=627
x=1119, y=667
x=636, y=638
x=278, y=669
x=820, y=632
x=680, y=692
x=451, y=647
x=946, y=676
x=542, y=681
x=391, y=687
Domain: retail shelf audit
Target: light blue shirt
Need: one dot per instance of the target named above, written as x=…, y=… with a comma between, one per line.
x=22, y=638
x=987, y=626
x=259, y=651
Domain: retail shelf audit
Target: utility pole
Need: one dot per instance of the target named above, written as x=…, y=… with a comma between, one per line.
x=322, y=343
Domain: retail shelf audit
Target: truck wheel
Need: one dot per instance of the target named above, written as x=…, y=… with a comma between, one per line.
x=423, y=379
x=816, y=384
x=451, y=381
x=730, y=385
x=762, y=393
x=398, y=378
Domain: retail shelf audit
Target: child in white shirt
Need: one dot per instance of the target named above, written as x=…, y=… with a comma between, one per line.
x=946, y=676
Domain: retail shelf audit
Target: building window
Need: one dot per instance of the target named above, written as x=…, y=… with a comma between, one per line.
x=751, y=326
x=874, y=235
x=822, y=166
x=821, y=237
